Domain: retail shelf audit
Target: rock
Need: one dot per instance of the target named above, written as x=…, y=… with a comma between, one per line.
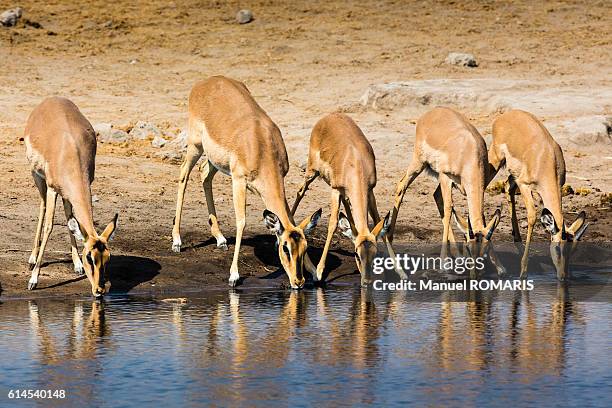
x=144, y=130
x=106, y=133
x=10, y=17
x=175, y=148
x=158, y=142
x=244, y=16
x=585, y=130
x=95, y=198
x=464, y=60
x=487, y=96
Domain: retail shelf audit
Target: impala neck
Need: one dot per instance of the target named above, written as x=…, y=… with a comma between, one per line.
x=80, y=198
x=274, y=199
x=475, y=198
x=358, y=198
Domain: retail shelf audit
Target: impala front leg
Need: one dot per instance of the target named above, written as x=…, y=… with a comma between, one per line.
x=531, y=219
x=42, y=189
x=413, y=171
x=49, y=213
x=373, y=208
x=310, y=177
x=239, y=187
x=208, y=173
x=191, y=158
x=331, y=228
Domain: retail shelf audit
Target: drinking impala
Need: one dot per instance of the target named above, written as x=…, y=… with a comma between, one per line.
x=342, y=156
x=241, y=141
x=536, y=164
x=61, y=149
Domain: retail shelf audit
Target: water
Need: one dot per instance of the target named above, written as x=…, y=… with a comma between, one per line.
x=343, y=346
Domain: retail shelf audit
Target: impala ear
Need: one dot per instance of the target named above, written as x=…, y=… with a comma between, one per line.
x=381, y=229
x=345, y=227
x=548, y=221
x=309, y=224
x=75, y=229
x=493, y=224
x=578, y=227
x=109, y=232
x=273, y=222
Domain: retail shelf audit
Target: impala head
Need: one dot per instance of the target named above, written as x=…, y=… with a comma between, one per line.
x=563, y=240
x=365, y=244
x=291, y=241
x=477, y=242
x=96, y=254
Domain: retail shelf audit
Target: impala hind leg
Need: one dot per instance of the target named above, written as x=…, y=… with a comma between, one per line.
x=437, y=195
x=373, y=209
x=331, y=228
x=208, y=173
x=191, y=158
x=239, y=189
x=531, y=219
x=447, y=198
x=510, y=190
x=48, y=227
x=311, y=176
x=76, y=259
x=413, y=171
x=42, y=189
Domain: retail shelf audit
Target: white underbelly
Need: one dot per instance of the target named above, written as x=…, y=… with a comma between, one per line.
x=217, y=155
x=37, y=162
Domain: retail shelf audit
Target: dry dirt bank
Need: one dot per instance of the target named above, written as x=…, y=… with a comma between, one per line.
x=122, y=63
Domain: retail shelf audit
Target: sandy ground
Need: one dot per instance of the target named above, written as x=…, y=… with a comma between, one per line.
x=123, y=62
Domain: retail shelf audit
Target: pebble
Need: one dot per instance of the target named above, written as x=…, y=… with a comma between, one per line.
x=107, y=133
x=144, y=130
x=10, y=17
x=465, y=60
x=244, y=16
x=158, y=142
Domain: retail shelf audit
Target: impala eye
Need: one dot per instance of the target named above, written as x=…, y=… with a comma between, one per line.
x=90, y=259
x=286, y=250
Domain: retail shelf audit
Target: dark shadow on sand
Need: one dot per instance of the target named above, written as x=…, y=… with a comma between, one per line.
x=127, y=272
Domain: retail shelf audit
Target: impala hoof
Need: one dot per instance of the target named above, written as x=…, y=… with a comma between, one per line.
x=222, y=243
x=32, y=261
x=79, y=270
x=176, y=245
x=32, y=285
x=233, y=280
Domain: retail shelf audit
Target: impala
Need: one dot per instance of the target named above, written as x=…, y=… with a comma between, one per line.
x=449, y=148
x=61, y=149
x=535, y=163
x=241, y=141
x=342, y=156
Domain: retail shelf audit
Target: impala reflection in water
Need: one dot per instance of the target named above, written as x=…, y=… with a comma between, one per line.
x=331, y=348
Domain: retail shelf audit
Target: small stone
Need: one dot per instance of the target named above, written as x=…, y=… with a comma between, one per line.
x=244, y=16
x=106, y=133
x=465, y=60
x=10, y=17
x=158, y=142
x=95, y=198
x=144, y=130
x=174, y=149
